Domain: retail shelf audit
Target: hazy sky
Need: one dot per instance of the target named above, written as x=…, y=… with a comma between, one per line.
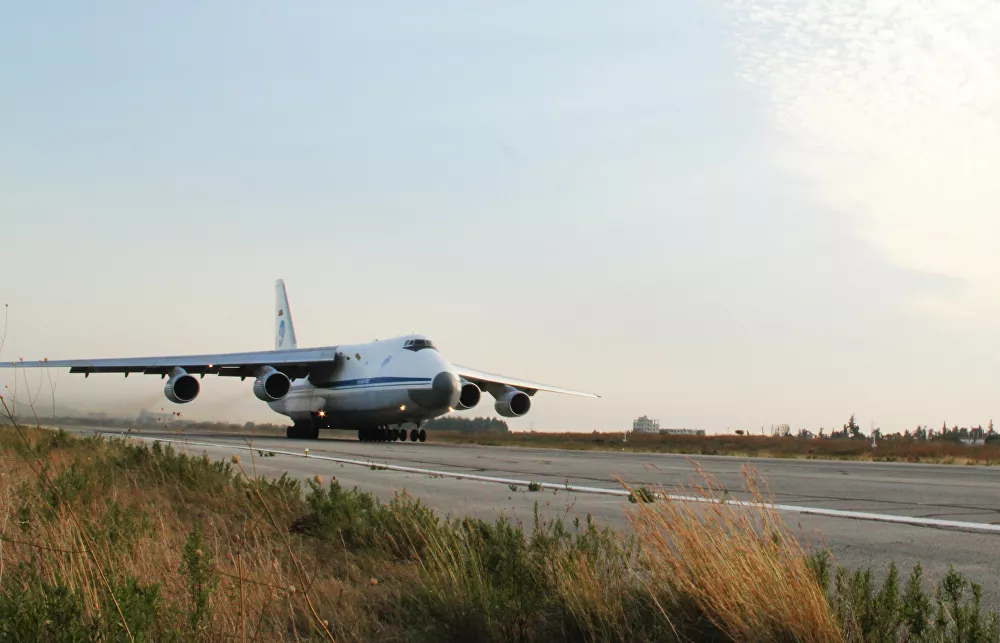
x=722, y=215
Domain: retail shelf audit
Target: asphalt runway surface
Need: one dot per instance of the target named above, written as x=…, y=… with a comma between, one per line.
x=948, y=492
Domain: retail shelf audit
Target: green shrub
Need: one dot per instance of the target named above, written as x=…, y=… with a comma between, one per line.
x=885, y=614
x=35, y=609
x=642, y=494
x=492, y=581
x=361, y=522
x=200, y=577
x=32, y=610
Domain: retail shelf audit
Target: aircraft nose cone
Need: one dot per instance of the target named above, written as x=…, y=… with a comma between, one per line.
x=447, y=388
x=444, y=392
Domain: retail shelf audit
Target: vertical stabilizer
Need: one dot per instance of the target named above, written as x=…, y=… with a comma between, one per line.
x=284, y=331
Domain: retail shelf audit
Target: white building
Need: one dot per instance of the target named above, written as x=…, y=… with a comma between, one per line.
x=645, y=425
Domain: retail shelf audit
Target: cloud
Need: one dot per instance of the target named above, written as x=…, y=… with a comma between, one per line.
x=892, y=108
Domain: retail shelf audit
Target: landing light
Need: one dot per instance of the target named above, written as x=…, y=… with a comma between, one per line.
x=322, y=414
x=402, y=408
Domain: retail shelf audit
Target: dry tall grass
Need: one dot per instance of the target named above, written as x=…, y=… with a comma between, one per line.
x=743, y=567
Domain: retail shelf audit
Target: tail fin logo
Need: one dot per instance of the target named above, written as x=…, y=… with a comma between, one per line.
x=281, y=332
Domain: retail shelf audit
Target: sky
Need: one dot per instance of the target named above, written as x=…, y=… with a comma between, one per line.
x=720, y=214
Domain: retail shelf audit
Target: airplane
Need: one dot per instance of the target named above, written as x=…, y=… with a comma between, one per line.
x=375, y=388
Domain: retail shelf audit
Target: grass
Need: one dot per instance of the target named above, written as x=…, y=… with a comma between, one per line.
x=104, y=540
x=888, y=450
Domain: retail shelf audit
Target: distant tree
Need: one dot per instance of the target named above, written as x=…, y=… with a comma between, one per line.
x=990, y=430
x=739, y=431
x=852, y=430
x=950, y=435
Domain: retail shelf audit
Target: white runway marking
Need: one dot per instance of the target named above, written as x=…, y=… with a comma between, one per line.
x=815, y=511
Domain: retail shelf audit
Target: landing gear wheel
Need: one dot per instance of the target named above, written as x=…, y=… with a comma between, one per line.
x=422, y=436
x=414, y=434
x=291, y=432
x=393, y=435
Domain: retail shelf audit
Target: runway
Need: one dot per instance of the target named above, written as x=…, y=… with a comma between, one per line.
x=951, y=493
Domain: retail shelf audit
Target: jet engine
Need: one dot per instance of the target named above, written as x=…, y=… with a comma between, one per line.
x=271, y=385
x=182, y=387
x=469, y=396
x=512, y=403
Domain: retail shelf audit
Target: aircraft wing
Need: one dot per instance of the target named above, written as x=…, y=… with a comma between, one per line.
x=488, y=380
x=293, y=362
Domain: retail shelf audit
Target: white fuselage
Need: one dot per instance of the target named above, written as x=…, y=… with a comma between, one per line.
x=376, y=384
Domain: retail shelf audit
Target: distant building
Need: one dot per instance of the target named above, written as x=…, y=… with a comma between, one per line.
x=682, y=431
x=645, y=425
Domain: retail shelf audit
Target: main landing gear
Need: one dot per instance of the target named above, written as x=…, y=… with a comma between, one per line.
x=386, y=434
x=303, y=431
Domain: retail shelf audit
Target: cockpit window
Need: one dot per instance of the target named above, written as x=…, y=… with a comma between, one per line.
x=418, y=344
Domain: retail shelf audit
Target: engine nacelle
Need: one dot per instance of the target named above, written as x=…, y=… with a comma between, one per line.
x=181, y=387
x=271, y=385
x=469, y=396
x=513, y=403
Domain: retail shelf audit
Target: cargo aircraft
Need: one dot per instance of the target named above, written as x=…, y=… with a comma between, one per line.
x=376, y=388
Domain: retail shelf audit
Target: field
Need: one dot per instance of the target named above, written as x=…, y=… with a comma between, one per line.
x=106, y=540
x=888, y=450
